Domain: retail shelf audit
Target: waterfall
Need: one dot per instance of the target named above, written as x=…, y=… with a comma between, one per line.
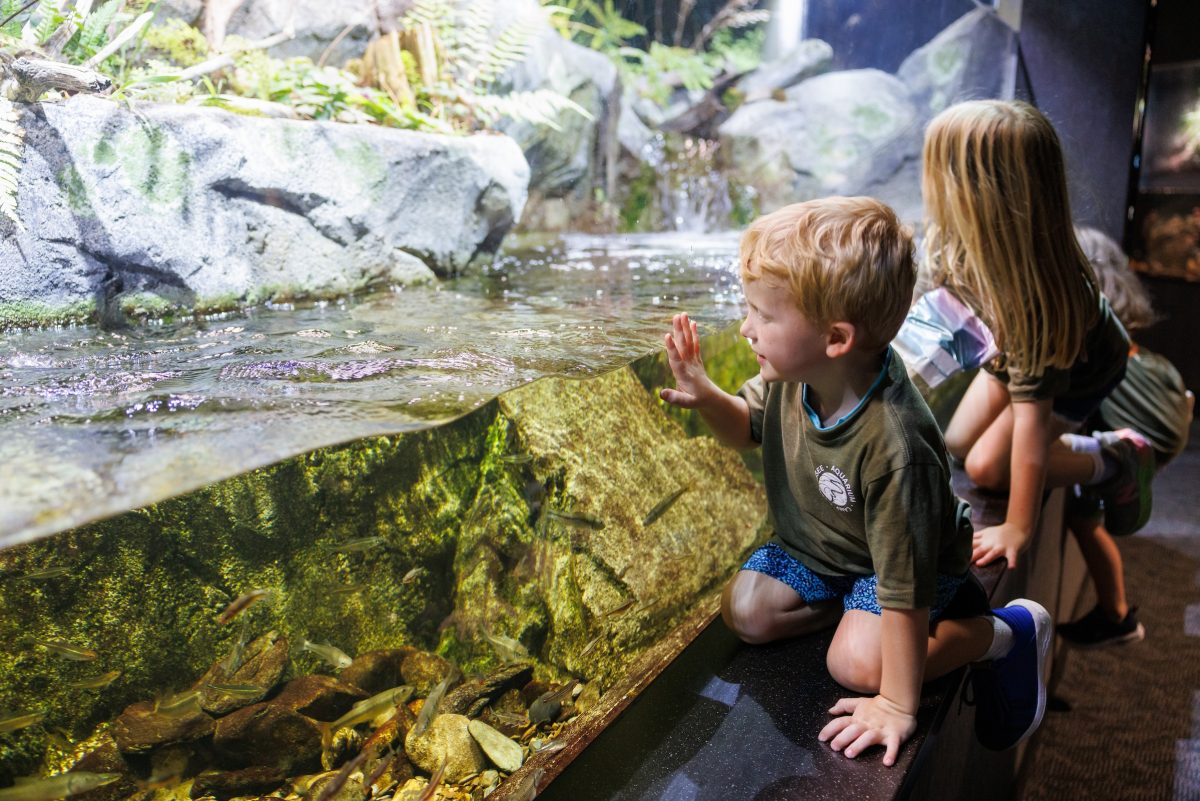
x=785, y=29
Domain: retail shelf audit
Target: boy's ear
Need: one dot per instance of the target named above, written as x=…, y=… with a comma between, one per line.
x=840, y=339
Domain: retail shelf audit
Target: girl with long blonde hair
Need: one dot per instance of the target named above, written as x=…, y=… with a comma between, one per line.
x=1000, y=237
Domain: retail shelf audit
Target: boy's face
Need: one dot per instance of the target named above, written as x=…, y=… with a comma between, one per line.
x=789, y=347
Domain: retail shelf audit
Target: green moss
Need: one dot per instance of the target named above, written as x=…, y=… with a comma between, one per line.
x=640, y=206
x=34, y=314
x=72, y=185
x=872, y=120
x=152, y=162
x=365, y=166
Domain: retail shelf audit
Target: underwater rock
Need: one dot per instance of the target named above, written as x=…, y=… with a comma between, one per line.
x=376, y=671
x=263, y=662
x=503, y=752
x=319, y=697
x=271, y=735
x=140, y=728
x=107, y=758
x=470, y=697
x=345, y=744
x=351, y=790
x=424, y=671
x=227, y=784
x=447, y=738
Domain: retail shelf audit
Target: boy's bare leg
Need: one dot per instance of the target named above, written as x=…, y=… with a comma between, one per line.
x=1104, y=563
x=759, y=609
x=855, y=657
x=983, y=402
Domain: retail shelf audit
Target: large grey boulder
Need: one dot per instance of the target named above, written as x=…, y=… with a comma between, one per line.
x=972, y=58
x=208, y=209
x=808, y=59
x=848, y=133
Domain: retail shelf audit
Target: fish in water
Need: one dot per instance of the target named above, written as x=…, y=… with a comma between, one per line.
x=360, y=545
x=549, y=704
x=413, y=575
x=45, y=573
x=370, y=708
x=335, y=784
x=234, y=660
x=96, y=682
x=587, y=649
x=236, y=690
x=576, y=519
x=517, y=458
x=18, y=722
x=76, y=653
x=435, y=781
x=662, y=506
x=331, y=654
x=348, y=589
x=619, y=608
x=61, y=785
x=508, y=649
x=179, y=705
x=242, y=603
x=429, y=708
x=527, y=786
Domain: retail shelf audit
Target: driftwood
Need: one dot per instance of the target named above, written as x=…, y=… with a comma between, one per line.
x=36, y=76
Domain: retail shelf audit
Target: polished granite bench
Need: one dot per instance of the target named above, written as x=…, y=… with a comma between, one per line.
x=718, y=720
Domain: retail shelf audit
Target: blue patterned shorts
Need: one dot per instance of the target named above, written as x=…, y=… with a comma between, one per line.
x=856, y=592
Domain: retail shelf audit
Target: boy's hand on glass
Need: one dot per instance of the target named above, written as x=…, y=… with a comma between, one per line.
x=692, y=384
x=991, y=543
x=866, y=722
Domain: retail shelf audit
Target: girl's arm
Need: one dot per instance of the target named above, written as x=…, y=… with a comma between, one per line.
x=1027, y=475
x=889, y=718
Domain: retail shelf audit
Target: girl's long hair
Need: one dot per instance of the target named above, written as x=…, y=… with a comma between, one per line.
x=999, y=230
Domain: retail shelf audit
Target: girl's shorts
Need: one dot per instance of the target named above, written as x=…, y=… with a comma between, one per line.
x=1076, y=411
x=856, y=592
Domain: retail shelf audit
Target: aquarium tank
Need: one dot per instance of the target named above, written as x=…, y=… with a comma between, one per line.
x=332, y=461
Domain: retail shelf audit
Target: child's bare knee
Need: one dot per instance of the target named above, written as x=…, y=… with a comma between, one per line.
x=744, y=616
x=854, y=670
x=985, y=471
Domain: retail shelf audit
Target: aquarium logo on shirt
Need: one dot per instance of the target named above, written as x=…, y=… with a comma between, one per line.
x=834, y=485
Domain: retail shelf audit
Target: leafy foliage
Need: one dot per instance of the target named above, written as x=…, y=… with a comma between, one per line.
x=12, y=146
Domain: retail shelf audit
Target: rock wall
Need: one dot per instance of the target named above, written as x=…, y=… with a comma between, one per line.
x=210, y=210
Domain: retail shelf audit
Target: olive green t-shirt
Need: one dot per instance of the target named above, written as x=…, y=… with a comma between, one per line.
x=1151, y=399
x=869, y=494
x=1104, y=352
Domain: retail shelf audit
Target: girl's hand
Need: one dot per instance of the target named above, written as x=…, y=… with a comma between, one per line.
x=693, y=386
x=1005, y=540
x=868, y=722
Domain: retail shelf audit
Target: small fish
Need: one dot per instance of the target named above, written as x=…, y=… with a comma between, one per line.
x=76, y=653
x=550, y=746
x=45, y=573
x=331, y=654
x=662, y=506
x=549, y=704
x=527, y=786
x=360, y=545
x=508, y=649
x=242, y=603
x=17, y=722
x=96, y=682
x=335, y=784
x=429, y=708
x=236, y=690
x=576, y=519
x=234, y=660
x=517, y=458
x=180, y=705
x=435, y=781
x=370, y=708
x=591, y=646
x=347, y=589
x=413, y=575
x=619, y=608
x=61, y=785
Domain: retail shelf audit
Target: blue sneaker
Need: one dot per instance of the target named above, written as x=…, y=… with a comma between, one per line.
x=1010, y=693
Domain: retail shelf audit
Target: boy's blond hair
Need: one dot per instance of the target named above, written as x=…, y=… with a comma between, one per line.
x=999, y=230
x=842, y=259
x=1125, y=293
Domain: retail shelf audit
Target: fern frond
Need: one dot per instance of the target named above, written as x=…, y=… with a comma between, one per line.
x=49, y=18
x=94, y=33
x=12, y=148
x=510, y=48
x=539, y=107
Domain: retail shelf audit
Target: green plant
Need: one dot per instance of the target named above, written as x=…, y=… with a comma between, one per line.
x=12, y=148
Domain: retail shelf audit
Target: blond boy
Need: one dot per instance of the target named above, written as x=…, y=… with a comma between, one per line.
x=858, y=482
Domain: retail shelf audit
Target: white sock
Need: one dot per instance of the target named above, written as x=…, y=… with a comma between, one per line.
x=1002, y=640
x=1091, y=447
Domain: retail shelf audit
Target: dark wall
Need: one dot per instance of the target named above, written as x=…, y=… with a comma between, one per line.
x=1174, y=39
x=878, y=33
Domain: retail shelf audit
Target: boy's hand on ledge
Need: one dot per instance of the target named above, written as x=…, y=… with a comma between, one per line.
x=991, y=543
x=867, y=722
x=693, y=386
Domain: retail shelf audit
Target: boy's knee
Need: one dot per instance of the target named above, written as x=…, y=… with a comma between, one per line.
x=854, y=670
x=744, y=616
x=985, y=471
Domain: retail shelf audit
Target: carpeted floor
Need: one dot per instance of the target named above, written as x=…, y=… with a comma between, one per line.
x=1133, y=727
